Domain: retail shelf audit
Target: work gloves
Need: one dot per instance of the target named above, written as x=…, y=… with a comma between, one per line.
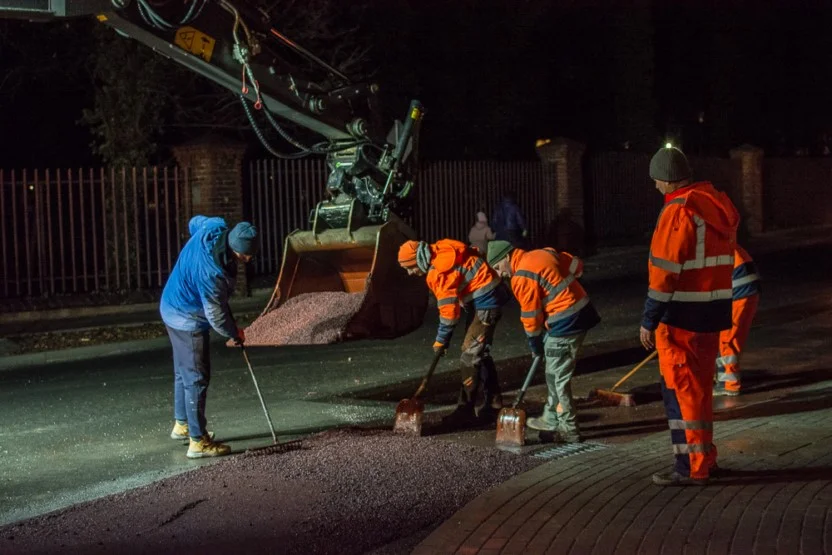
x=241, y=337
x=440, y=349
x=536, y=345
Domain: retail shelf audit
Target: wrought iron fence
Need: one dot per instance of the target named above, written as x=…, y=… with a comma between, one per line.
x=623, y=203
x=73, y=231
x=448, y=195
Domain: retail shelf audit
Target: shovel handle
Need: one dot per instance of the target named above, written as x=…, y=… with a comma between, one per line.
x=650, y=357
x=426, y=379
x=528, y=381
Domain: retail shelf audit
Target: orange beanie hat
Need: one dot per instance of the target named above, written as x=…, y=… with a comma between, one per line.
x=407, y=254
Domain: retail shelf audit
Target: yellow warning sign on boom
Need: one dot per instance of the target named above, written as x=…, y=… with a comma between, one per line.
x=196, y=42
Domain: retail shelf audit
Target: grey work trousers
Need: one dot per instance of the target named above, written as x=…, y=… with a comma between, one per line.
x=561, y=356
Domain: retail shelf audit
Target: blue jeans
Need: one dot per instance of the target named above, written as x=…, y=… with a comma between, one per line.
x=191, y=375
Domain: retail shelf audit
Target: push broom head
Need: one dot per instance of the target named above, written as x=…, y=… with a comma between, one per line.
x=273, y=449
x=612, y=398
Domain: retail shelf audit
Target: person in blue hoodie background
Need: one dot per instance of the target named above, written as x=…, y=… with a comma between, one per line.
x=194, y=300
x=508, y=222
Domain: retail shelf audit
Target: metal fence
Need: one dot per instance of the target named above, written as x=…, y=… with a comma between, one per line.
x=622, y=202
x=73, y=231
x=798, y=192
x=282, y=194
x=448, y=194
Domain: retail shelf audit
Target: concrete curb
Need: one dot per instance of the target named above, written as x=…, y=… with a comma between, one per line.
x=17, y=362
x=258, y=297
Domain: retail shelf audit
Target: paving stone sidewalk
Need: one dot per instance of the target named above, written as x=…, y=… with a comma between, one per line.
x=600, y=498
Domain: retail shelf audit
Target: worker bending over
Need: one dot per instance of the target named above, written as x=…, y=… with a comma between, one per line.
x=194, y=300
x=556, y=313
x=746, y=297
x=459, y=277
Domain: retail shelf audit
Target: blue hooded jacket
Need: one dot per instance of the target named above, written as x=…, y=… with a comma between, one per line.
x=195, y=297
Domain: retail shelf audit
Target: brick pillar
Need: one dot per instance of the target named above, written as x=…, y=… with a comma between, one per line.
x=216, y=184
x=565, y=198
x=750, y=187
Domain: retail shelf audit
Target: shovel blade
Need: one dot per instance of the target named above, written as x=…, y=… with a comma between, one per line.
x=409, y=416
x=511, y=427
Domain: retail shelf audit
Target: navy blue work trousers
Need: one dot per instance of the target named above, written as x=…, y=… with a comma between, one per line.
x=192, y=373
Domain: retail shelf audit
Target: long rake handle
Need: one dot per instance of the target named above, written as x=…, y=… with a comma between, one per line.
x=262, y=403
x=426, y=379
x=528, y=381
x=650, y=357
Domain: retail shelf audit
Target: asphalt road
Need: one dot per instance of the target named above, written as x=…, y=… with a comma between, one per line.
x=79, y=430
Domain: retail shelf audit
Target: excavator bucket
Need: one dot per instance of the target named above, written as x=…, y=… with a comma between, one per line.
x=349, y=280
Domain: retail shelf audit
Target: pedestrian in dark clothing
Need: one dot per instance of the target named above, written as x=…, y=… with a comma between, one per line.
x=194, y=300
x=508, y=222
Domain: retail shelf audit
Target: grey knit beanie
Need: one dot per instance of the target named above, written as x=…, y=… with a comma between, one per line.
x=669, y=164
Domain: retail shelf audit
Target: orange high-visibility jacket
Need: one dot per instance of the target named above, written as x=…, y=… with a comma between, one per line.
x=545, y=283
x=691, y=261
x=745, y=280
x=458, y=275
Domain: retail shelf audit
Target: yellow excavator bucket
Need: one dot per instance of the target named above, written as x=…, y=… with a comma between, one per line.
x=341, y=285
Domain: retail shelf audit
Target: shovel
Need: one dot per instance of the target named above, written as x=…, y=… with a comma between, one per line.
x=511, y=422
x=410, y=412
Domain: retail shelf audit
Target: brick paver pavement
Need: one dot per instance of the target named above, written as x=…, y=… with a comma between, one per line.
x=778, y=499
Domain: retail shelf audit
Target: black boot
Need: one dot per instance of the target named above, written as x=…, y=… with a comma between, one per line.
x=462, y=417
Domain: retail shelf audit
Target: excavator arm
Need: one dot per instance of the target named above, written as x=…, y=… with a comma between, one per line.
x=357, y=228
x=237, y=46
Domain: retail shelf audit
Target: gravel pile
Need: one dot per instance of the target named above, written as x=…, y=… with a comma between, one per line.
x=308, y=319
x=345, y=492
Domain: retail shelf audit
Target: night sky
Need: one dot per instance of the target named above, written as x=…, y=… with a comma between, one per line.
x=496, y=75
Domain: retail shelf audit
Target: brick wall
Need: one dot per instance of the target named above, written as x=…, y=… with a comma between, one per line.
x=215, y=177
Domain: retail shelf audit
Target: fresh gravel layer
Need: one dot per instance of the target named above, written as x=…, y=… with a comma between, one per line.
x=308, y=319
x=345, y=491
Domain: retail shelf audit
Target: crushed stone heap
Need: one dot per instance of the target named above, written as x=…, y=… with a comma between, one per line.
x=308, y=319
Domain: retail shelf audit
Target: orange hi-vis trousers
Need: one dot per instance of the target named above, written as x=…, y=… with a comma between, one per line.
x=731, y=342
x=686, y=361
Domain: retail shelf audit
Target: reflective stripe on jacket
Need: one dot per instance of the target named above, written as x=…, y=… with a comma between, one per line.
x=545, y=283
x=459, y=275
x=745, y=281
x=691, y=261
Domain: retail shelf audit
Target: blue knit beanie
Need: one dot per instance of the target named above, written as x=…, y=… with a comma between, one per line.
x=243, y=239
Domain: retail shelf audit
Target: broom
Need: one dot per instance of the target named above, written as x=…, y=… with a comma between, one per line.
x=275, y=447
x=611, y=396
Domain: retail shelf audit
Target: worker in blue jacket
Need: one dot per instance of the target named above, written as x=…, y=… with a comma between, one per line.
x=194, y=300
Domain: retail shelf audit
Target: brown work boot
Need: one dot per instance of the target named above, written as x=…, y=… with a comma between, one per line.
x=721, y=391
x=180, y=431
x=206, y=447
x=569, y=435
x=673, y=478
